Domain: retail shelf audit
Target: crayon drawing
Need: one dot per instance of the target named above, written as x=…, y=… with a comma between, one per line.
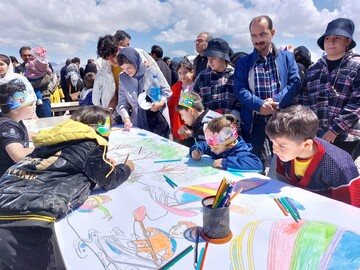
x=146, y=247
x=291, y=245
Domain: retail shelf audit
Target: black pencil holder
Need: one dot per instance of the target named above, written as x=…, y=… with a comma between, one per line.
x=216, y=221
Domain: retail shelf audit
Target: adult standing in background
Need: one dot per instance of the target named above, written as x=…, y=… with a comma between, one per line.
x=14, y=61
x=123, y=39
x=265, y=80
x=332, y=87
x=63, y=81
x=25, y=54
x=157, y=54
x=201, y=43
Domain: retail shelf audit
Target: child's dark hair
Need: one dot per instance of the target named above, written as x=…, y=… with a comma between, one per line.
x=7, y=90
x=197, y=103
x=297, y=123
x=90, y=115
x=89, y=79
x=217, y=124
x=122, y=59
x=185, y=63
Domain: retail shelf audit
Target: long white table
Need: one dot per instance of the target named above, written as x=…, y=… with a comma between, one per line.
x=145, y=222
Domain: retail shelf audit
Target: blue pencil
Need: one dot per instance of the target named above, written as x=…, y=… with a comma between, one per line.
x=198, y=266
x=176, y=258
x=293, y=207
x=243, y=171
x=167, y=160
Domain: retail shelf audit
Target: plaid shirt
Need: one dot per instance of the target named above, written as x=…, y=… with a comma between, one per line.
x=217, y=90
x=266, y=78
x=335, y=96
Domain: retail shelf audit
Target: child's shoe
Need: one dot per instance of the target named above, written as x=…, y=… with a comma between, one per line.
x=39, y=102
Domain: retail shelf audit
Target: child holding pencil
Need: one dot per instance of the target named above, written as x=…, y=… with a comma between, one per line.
x=225, y=146
x=68, y=162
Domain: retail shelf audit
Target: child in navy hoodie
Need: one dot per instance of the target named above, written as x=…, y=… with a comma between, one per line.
x=225, y=146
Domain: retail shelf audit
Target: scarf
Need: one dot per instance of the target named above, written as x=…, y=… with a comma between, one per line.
x=136, y=83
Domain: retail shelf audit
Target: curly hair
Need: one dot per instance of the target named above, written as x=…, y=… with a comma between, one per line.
x=107, y=46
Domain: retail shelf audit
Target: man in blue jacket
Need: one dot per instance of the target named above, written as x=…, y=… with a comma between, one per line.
x=264, y=81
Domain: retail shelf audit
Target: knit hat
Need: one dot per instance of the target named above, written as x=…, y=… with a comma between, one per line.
x=39, y=53
x=340, y=27
x=217, y=47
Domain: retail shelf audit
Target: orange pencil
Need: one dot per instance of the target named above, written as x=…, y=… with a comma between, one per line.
x=219, y=191
x=236, y=193
x=203, y=258
x=281, y=207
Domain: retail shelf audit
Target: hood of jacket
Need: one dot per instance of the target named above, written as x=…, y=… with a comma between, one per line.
x=66, y=131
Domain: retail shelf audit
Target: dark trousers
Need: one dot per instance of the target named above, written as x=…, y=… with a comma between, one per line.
x=44, y=110
x=29, y=248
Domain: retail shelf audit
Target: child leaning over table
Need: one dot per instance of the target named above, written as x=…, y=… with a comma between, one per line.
x=69, y=160
x=194, y=115
x=225, y=146
x=17, y=104
x=309, y=162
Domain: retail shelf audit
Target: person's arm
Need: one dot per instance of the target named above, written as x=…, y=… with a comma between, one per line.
x=242, y=90
x=350, y=113
x=102, y=173
x=97, y=89
x=17, y=151
x=242, y=161
x=289, y=91
x=122, y=106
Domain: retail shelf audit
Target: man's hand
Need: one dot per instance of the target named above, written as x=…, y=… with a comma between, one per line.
x=127, y=124
x=268, y=108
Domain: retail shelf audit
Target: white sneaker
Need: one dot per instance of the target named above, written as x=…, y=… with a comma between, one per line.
x=39, y=102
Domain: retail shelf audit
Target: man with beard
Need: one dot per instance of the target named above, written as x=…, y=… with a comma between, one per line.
x=265, y=80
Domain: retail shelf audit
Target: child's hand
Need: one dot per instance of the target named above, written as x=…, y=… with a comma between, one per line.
x=130, y=164
x=112, y=161
x=196, y=154
x=218, y=163
x=127, y=124
x=185, y=132
x=157, y=106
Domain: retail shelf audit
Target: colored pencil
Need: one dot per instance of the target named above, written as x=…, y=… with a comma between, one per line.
x=220, y=191
x=281, y=207
x=196, y=247
x=140, y=150
x=127, y=157
x=243, y=171
x=293, y=207
x=177, y=258
x=236, y=193
x=203, y=258
x=288, y=207
x=167, y=160
x=196, y=144
x=170, y=181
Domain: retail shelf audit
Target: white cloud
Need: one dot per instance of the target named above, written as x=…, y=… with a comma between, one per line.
x=68, y=27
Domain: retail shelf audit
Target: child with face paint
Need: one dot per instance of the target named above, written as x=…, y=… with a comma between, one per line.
x=229, y=151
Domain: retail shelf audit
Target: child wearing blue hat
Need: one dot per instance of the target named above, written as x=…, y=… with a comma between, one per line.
x=331, y=87
x=17, y=104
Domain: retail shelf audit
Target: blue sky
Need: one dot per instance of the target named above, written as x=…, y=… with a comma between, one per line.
x=68, y=28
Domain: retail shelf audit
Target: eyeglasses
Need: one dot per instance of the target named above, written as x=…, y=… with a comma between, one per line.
x=261, y=36
x=199, y=40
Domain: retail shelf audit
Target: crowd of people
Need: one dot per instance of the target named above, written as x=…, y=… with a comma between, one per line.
x=239, y=108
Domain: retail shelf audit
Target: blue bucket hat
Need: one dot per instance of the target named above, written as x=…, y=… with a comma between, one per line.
x=340, y=27
x=217, y=47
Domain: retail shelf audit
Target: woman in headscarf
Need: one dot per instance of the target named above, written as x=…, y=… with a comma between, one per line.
x=7, y=74
x=332, y=87
x=74, y=81
x=136, y=104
